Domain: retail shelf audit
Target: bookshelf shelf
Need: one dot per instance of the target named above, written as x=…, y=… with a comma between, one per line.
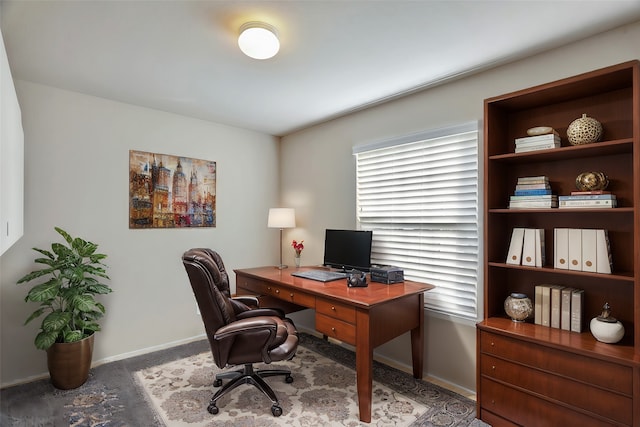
x=618, y=276
x=560, y=366
x=603, y=148
x=614, y=211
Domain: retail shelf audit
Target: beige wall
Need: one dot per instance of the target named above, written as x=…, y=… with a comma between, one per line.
x=76, y=177
x=318, y=170
x=76, y=154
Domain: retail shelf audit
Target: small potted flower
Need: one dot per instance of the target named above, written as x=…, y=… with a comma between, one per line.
x=298, y=247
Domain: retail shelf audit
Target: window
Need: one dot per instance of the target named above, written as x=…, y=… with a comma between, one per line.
x=419, y=196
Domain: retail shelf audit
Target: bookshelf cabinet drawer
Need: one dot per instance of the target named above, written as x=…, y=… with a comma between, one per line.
x=528, y=410
x=607, y=375
x=573, y=393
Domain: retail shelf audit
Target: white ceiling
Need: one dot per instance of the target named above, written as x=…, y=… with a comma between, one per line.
x=181, y=56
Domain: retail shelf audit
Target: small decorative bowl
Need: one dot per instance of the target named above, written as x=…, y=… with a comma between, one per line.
x=592, y=181
x=584, y=130
x=518, y=307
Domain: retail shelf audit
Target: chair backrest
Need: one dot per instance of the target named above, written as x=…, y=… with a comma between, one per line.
x=210, y=284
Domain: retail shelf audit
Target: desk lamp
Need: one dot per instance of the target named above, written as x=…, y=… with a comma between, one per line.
x=281, y=218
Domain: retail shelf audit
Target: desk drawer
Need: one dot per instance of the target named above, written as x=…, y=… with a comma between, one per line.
x=294, y=296
x=257, y=287
x=331, y=327
x=604, y=374
x=336, y=310
x=260, y=288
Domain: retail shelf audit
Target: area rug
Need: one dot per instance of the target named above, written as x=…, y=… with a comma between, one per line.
x=323, y=393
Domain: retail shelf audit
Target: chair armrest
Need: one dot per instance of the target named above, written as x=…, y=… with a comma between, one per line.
x=248, y=325
x=261, y=312
x=253, y=335
x=248, y=300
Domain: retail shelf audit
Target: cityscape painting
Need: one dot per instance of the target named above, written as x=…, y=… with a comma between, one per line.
x=170, y=191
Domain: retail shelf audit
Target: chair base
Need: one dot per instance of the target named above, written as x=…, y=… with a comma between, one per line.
x=247, y=375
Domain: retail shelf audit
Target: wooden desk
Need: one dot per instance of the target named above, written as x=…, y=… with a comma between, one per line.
x=363, y=317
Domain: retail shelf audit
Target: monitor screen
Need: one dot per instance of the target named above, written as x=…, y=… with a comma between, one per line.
x=348, y=249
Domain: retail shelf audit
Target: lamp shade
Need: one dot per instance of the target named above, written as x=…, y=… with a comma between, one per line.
x=281, y=218
x=258, y=40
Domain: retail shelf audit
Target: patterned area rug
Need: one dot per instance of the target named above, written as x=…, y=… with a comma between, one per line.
x=112, y=397
x=323, y=393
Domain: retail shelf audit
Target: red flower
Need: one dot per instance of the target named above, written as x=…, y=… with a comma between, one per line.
x=297, y=246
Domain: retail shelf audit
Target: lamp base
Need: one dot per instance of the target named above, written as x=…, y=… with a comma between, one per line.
x=281, y=266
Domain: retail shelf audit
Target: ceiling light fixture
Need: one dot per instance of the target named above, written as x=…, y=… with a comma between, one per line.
x=258, y=40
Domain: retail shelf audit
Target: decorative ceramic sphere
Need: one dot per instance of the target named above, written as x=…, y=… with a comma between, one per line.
x=584, y=130
x=518, y=307
x=592, y=181
x=606, y=328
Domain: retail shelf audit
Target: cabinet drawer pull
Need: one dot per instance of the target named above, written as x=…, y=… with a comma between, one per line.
x=333, y=308
x=492, y=344
x=333, y=329
x=493, y=367
x=277, y=291
x=291, y=294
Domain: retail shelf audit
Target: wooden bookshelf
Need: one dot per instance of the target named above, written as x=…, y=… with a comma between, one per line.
x=530, y=374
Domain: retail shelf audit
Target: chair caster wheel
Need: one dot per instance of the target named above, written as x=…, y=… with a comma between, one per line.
x=288, y=379
x=275, y=410
x=213, y=409
x=217, y=383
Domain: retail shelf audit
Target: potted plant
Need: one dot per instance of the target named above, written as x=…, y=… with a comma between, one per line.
x=66, y=293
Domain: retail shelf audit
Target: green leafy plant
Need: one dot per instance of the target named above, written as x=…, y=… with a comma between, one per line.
x=67, y=295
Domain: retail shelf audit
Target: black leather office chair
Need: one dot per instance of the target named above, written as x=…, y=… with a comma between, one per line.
x=238, y=334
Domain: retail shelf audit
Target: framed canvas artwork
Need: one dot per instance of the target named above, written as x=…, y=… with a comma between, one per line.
x=168, y=191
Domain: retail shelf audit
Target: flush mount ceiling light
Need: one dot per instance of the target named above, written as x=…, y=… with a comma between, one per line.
x=258, y=40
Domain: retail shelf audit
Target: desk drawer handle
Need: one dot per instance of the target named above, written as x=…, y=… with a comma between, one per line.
x=493, y=367
x=269, y=288
x=291, y=294
x=333, y=308
x=333, y=329
x=277, y=291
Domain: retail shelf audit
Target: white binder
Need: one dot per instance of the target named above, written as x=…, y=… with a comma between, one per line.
x=561, y=248
x=589, y=256
x=529, y=247
x=575, y=249
x=515, y=247
x=603, y=252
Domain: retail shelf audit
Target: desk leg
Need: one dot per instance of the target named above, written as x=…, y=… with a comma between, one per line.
x=417, y=342
x=364, y=366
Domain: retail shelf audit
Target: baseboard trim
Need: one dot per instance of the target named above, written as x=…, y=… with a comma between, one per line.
x=110, y=359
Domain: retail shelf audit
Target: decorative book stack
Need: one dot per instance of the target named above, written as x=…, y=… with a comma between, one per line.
x=533, y=192
x=588, y=199
x=526, y=247
x=560, y=307
x=538, y=142
x=582, y=250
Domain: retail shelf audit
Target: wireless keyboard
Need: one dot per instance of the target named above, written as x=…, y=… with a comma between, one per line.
x=320, y=275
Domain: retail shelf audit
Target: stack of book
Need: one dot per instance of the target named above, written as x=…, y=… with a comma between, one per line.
x=559, y=307
x=533, y=192
x=539, y=142
x=588, y=199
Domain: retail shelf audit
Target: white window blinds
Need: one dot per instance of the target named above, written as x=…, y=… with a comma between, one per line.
x=419, y=196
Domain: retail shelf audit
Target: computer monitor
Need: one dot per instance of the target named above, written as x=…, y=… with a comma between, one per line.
x=348, y=249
